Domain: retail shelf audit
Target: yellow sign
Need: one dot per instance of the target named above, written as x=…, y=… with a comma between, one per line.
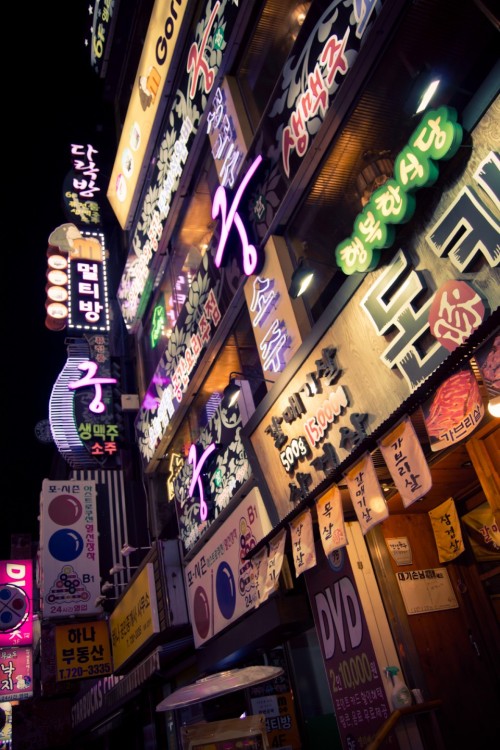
x=147, y=94
x=82, y=650
x=135, y=619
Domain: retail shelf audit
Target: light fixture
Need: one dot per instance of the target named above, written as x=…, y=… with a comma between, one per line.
x=100, y=600
x=232, y=390
x=494, y=406
x=303, y=275
x=427, y=95
x=127, y=549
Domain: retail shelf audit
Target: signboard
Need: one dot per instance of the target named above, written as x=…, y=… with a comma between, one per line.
x=220, y=583
x=145, y=102
x=276, y=318
x=69, y=554
x=83, y=650
x=208, y=299
x=359, y=697
x=321, y=59
x=379, y=346
x=426, y=590
x=77, y=289
x=217, y=466
x=209, y=41
x=16, y=602
x=16, y=673
x=82, y=406
x=134, y=621
x=82, y=186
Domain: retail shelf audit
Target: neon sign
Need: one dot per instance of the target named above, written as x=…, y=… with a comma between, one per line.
x=219, y=206
x=196, y=479
x=437, y=137
x=96, y=405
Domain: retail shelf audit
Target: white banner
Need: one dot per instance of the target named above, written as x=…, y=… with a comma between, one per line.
x=406, y=462
x=331, y=521
x=304, y=554
x=69, y=556
x=366, y=494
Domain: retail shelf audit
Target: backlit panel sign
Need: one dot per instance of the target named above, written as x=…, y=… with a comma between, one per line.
x=134, y=621
x=16, y=602
x=145, y=101
x=82, y=650
x=69, y=553
x=221, y=585
x=16, y=673
x=201, y=67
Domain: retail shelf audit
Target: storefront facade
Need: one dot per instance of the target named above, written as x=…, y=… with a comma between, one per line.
x=291, y=137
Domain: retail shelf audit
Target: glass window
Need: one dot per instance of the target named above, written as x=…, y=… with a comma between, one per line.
x=269, y=46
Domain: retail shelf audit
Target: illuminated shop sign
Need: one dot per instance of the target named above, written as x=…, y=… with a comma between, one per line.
x=69, y=559
x=220, y=584
x=16, y=602
x=190, y=337
x=228, y=131
x=16, y=673
x=101, y=27
x=82, y=406
x=215, y=468
x=437, y=138
x=144, y=105
x=210, y=39
x=274, y=318
x=325, y=51
x=397, y=328
x=82, y=650
x=77, y=288
x=251, y=258
x=135, y=620
x=81, y=186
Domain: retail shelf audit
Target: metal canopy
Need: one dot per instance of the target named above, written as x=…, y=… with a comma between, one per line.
x=218, y=684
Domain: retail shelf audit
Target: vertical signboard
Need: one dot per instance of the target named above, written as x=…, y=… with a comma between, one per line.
x=16, y=673
x=355, y=681
x=69, y=557
x=220, y=583
x=16, y=602
x=83, y=650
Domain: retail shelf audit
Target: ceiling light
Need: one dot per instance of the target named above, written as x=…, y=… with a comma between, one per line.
x=494, y=406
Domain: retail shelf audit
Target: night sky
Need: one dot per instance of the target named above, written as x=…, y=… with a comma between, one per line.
x=52, y=104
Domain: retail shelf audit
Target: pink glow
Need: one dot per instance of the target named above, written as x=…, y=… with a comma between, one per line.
x=250, y=256
x=197, y=467
x=96, y=405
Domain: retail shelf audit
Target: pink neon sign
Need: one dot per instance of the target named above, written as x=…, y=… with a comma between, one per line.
x=196, y=479
x=96, y=405
x=16, y=603
x=219, y=206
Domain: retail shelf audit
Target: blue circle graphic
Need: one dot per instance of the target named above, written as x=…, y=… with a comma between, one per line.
x=65, y=545
x=226, y=590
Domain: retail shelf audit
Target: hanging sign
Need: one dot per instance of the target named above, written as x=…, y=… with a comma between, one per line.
x=69, y=555
x=366, y=494
x=331, y=520
x=301, y=531
x=447, y=531
x=16, y=673
x=454, y=411
x=406, y=462
x=82, y=650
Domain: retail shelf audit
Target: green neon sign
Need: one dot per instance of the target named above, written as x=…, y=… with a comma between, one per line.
x=157, y=324
x=437, y=138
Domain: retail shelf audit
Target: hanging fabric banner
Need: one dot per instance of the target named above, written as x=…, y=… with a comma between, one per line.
x=454, y=411
x=483, y=532
x=304, y=554
x=331, y=521
x=366, y=494
x=406, y=462
x=259, y=568
x=447, y=531
x=273, y=567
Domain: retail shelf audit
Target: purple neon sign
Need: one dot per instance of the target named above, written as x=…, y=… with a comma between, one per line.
x=196, y=479
x=219, y=206
x=96, y=405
